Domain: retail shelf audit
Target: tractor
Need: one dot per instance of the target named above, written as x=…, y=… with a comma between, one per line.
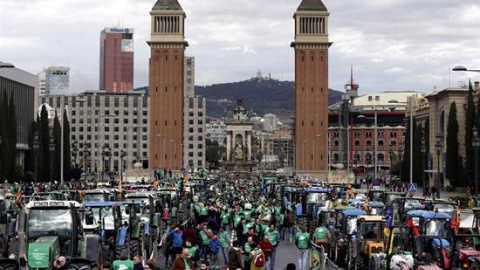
x=113, y=231
x=149, y=211
x=49, y=229
x=345, y=230
x=426, y=250
x=390, y=197
x=464, y=255
x=367, y=243
x=398, y=251
x=96, y=195
x=7, y=227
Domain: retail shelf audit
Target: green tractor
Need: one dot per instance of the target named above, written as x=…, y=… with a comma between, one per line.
x=7, y=226
x=115, y=232
x=148, y=211
x=49, y=229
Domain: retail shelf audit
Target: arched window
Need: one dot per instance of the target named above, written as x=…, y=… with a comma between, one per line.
x=336, y=143
x=357, y=143
x=381, y=157
x=380, y=143
x=369, y=143
x=336, y=157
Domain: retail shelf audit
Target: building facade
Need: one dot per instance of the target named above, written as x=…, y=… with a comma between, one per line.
x=194, y=150
x=217, y=131
x=21, y=85
x=41, y=83
x=270, y=122
x=98, y=119
x=57, y=81
x=311, y=86
x=116, y=60
x=167, y=69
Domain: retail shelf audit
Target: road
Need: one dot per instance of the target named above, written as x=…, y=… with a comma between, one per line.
x=286, y=253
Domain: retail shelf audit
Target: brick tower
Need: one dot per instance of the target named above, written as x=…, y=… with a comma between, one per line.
x=167, y=45
x=311, y=88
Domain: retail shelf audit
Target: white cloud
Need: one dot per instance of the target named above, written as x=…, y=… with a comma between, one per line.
x=406, y=42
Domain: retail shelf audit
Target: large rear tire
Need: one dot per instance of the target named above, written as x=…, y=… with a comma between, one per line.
x=79, y=266
x=134, y=247
x=119, y=250
x=475, y=266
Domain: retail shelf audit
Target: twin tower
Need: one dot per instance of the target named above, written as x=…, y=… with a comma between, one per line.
x=311, y=45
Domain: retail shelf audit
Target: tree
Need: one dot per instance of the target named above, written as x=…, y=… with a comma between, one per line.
x=67, y=166
x=469, y=124
x=452, y=160
x=214, y=153
x=43, y=155
x=57, y=135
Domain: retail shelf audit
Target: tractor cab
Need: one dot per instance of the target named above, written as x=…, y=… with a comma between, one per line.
x=427, y=253
x=442, y=206
x=376, y=195
x=398, y=249
x=368, y=241
x=390, y=197
x=401, y=206
x=374, y=208
x=45, y=196
x=348, y=222
x=315, y=200
x=52, y=229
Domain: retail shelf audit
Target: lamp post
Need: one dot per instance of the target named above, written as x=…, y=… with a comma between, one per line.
x=52, y=151
x=74, y=152
x=123, y=154
x=85, y=154
x=438, y=148
x=400, y=152
x=105, y=153
x=423, y=149
x=375, y=142
x=36, y=146
x=356, y=158
x=390, y=152
x=476, y=147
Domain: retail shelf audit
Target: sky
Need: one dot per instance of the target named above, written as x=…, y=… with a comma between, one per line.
x=391, y=44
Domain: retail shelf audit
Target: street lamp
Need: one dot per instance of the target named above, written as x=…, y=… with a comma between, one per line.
x=438, y=148
x=36, y=146
x=390, y=152
x=105, y=153
x=123, y=154
x=52, y=151
x=423, y=149
x=356, y=158
x=476, y=147
x=85, y=154
x=462, y=68
x=375, y=142
x=74, y=152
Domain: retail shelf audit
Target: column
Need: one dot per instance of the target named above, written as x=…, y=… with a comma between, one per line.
x=229, y=145
x=249, y=144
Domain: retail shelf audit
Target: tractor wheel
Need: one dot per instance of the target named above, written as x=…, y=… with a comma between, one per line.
x=9, y=265
x=359, y=263
x=475, y=266
x=134, y=247
x=119, y=250
x=79, y=266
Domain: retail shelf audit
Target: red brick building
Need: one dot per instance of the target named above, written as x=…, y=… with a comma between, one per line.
x=116, y=60
x=311, y=87
x=167, y=45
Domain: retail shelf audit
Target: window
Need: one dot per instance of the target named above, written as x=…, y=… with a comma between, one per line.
x=144, y=146
x=115, y=137
x=370, y=98
x=380, y=143
x=357, y=143
x=336, y=143
x=190, y=146
x=369, y=143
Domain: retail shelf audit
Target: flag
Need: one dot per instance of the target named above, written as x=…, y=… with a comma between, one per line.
x=19, y=196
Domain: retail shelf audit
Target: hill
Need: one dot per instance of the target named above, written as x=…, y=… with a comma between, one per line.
x=259, y=95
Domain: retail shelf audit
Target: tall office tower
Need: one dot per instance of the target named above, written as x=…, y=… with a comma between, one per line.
x=57, y=81
x=167, y=63
x=116, y=60
x=311, y=87
x=189, y=76
x=41, y=83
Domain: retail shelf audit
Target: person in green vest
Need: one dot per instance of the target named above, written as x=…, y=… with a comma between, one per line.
x=274, y=237
x=247, y=248
x=225, y=243
x=193, y=252
x=123, y=264
x=249, y=225
x=205, y=235
x=225, y=218
x=321, y=237
x=237, y=219
x=302, y=241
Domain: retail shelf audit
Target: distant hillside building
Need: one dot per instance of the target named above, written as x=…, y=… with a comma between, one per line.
x=116, y=60
x=54, y=81
x=269, y=122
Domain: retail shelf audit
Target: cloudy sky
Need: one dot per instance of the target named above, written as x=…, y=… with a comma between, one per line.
x=392, y=44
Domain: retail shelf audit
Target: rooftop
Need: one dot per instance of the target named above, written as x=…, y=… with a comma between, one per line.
x=312, y=5
x=167, y=5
